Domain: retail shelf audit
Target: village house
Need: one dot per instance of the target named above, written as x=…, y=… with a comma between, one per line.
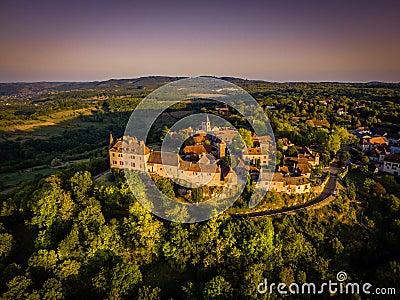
x=286, y=184
x=369, y=143
x=198, y=138
x=223, y=111
x=341, y=111
x=318, y=123
x=194, y=152
x=285, y=142
x=311, y=156
x=296, y=119
x=391, y=164
x=255, y=154
x=260, y=140
x=378, y=154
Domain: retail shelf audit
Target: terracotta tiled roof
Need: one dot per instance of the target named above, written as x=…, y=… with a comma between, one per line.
x=378, y=140
x=169, y=159
x=298, y=180
x=295, y=160
x=195, y=167
x=130, y=145
x=198, y=138
x=284, y=169
x=285, y=141
x=318, y=123
x=197, y=149
x=303, y=168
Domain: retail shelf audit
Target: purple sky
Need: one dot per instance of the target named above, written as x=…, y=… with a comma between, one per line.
x=270, y=40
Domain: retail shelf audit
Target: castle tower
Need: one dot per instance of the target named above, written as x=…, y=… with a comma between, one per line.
x=111, y=139
x=221, y=149
x=206, y=126
x=316, y=159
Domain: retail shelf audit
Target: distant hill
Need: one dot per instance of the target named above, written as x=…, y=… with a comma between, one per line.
x=148, y=83
x=36, y=88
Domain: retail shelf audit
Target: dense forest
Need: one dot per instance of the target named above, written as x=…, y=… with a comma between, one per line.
x=66, y=236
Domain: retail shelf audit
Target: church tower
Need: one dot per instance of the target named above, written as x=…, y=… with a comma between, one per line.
x=206, y=126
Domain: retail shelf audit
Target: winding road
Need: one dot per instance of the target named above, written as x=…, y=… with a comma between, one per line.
x=324, y=198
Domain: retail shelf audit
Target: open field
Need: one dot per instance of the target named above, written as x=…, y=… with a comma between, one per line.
x=49, y=120
x=15, y=178
x=52, y=125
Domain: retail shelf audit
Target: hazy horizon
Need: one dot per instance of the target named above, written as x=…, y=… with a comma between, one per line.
x=183, y=76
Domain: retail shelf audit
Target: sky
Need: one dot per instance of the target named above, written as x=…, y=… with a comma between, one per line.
x=348, y=41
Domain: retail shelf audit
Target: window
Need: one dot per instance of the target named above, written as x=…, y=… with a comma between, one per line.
x=113, y=154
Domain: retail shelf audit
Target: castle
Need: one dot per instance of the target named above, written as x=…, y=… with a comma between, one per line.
x=197, y=163
x=202, y=170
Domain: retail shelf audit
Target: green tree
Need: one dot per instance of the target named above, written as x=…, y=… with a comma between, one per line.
x=253, y=276
x=52, y=289
x=164, y=132
x=125, y=276
x=333, y=143
x=165, y=186
x=51, y=204
x=197, y=194
x=218, y=288
x=292, y=151
x=191, y=291
x=43, y=259
x=149, y=293
x=81, y=185
x=345, y=156
x=247, y=137
x=369, y=184
x=226, y=161
x=364, y=159
x=20, y=287
x=6, y=245
x=143, y=234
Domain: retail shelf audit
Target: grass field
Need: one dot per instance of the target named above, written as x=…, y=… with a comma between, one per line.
x=15, y=178
x=46, y=126
x=49, y=120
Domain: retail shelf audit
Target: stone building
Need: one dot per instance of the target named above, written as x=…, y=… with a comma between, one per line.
x=136, y=153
